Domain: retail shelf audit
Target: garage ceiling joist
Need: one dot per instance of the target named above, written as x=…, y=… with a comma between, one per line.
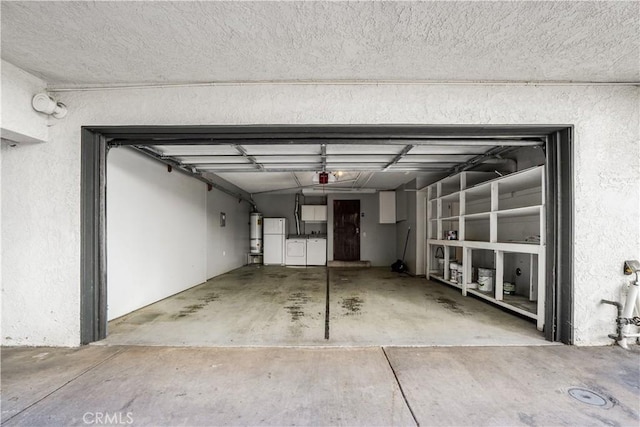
x=264, y=140
x=292, y=155
x=381, y=157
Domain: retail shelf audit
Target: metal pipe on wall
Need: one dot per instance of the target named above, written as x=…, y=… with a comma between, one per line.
x=296, y=213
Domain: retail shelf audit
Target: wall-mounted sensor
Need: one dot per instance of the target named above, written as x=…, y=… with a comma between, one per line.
x=43, y=103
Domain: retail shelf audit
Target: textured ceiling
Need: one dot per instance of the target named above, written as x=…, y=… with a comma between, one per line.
x=110, y=43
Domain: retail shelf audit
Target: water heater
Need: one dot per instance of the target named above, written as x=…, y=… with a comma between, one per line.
x=256, y=233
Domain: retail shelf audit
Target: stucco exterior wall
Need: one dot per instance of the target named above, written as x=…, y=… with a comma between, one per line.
x=18, y=120
x=41, y=183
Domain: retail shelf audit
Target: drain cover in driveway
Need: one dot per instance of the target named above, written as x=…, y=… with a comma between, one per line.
x=587, y=396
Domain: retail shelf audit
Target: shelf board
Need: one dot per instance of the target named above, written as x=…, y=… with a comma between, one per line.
x=526, y=248
x=522, y=302
x=526, y=178
x=479, y=191
x=448, y=282
x=517, y=303
x=456, y=243
x=452, y=197
x=521, y=242
x=507, y=213
x=520, y=212
x=475, y=178
x=451, y=218
x=477, y=216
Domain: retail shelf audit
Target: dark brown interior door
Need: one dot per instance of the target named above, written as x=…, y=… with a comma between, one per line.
x=346, y=230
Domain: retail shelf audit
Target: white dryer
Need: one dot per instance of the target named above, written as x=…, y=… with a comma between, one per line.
x=296, y=252
x=317, y=251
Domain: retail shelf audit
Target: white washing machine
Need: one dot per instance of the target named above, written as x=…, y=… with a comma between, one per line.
x=296, y=252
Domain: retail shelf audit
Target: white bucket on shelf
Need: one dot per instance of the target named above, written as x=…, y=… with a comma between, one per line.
x=453, y=272
x=485, y=279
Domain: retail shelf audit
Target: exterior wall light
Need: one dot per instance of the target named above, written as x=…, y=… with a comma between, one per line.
x=43, y=103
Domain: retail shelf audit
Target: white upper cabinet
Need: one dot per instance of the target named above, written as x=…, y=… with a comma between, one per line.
x=314, y=213
x=387, y=207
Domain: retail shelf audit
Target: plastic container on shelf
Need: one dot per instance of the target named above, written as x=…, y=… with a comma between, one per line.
x=453, y=271
x=440, y=260
x=508, y=288
x=485, y=279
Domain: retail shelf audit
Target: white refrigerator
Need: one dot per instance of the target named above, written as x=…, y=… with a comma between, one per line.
x=275, y=233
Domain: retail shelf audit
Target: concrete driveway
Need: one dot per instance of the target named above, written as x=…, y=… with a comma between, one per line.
x=440, y=386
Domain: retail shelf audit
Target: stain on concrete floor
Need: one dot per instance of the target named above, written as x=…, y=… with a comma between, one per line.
x=277, y=276
x=450, y=304
x=210, y=297
x=353, y=305
x=296, y=309
x=190, y=309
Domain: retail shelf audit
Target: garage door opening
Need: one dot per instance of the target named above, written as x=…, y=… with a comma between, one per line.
x=272, y=169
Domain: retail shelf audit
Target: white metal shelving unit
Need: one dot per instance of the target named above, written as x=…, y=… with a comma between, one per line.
x=504, y=215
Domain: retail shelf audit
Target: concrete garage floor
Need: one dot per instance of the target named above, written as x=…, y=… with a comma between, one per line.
x=280, y=306
x=440, y=386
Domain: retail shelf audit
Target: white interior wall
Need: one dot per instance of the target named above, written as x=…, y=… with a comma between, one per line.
x=274, y=205
x=156, y=244
x=407, y=200
x=227, y=246
x=411, y=256
x=164, y=233
x=41, y=272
